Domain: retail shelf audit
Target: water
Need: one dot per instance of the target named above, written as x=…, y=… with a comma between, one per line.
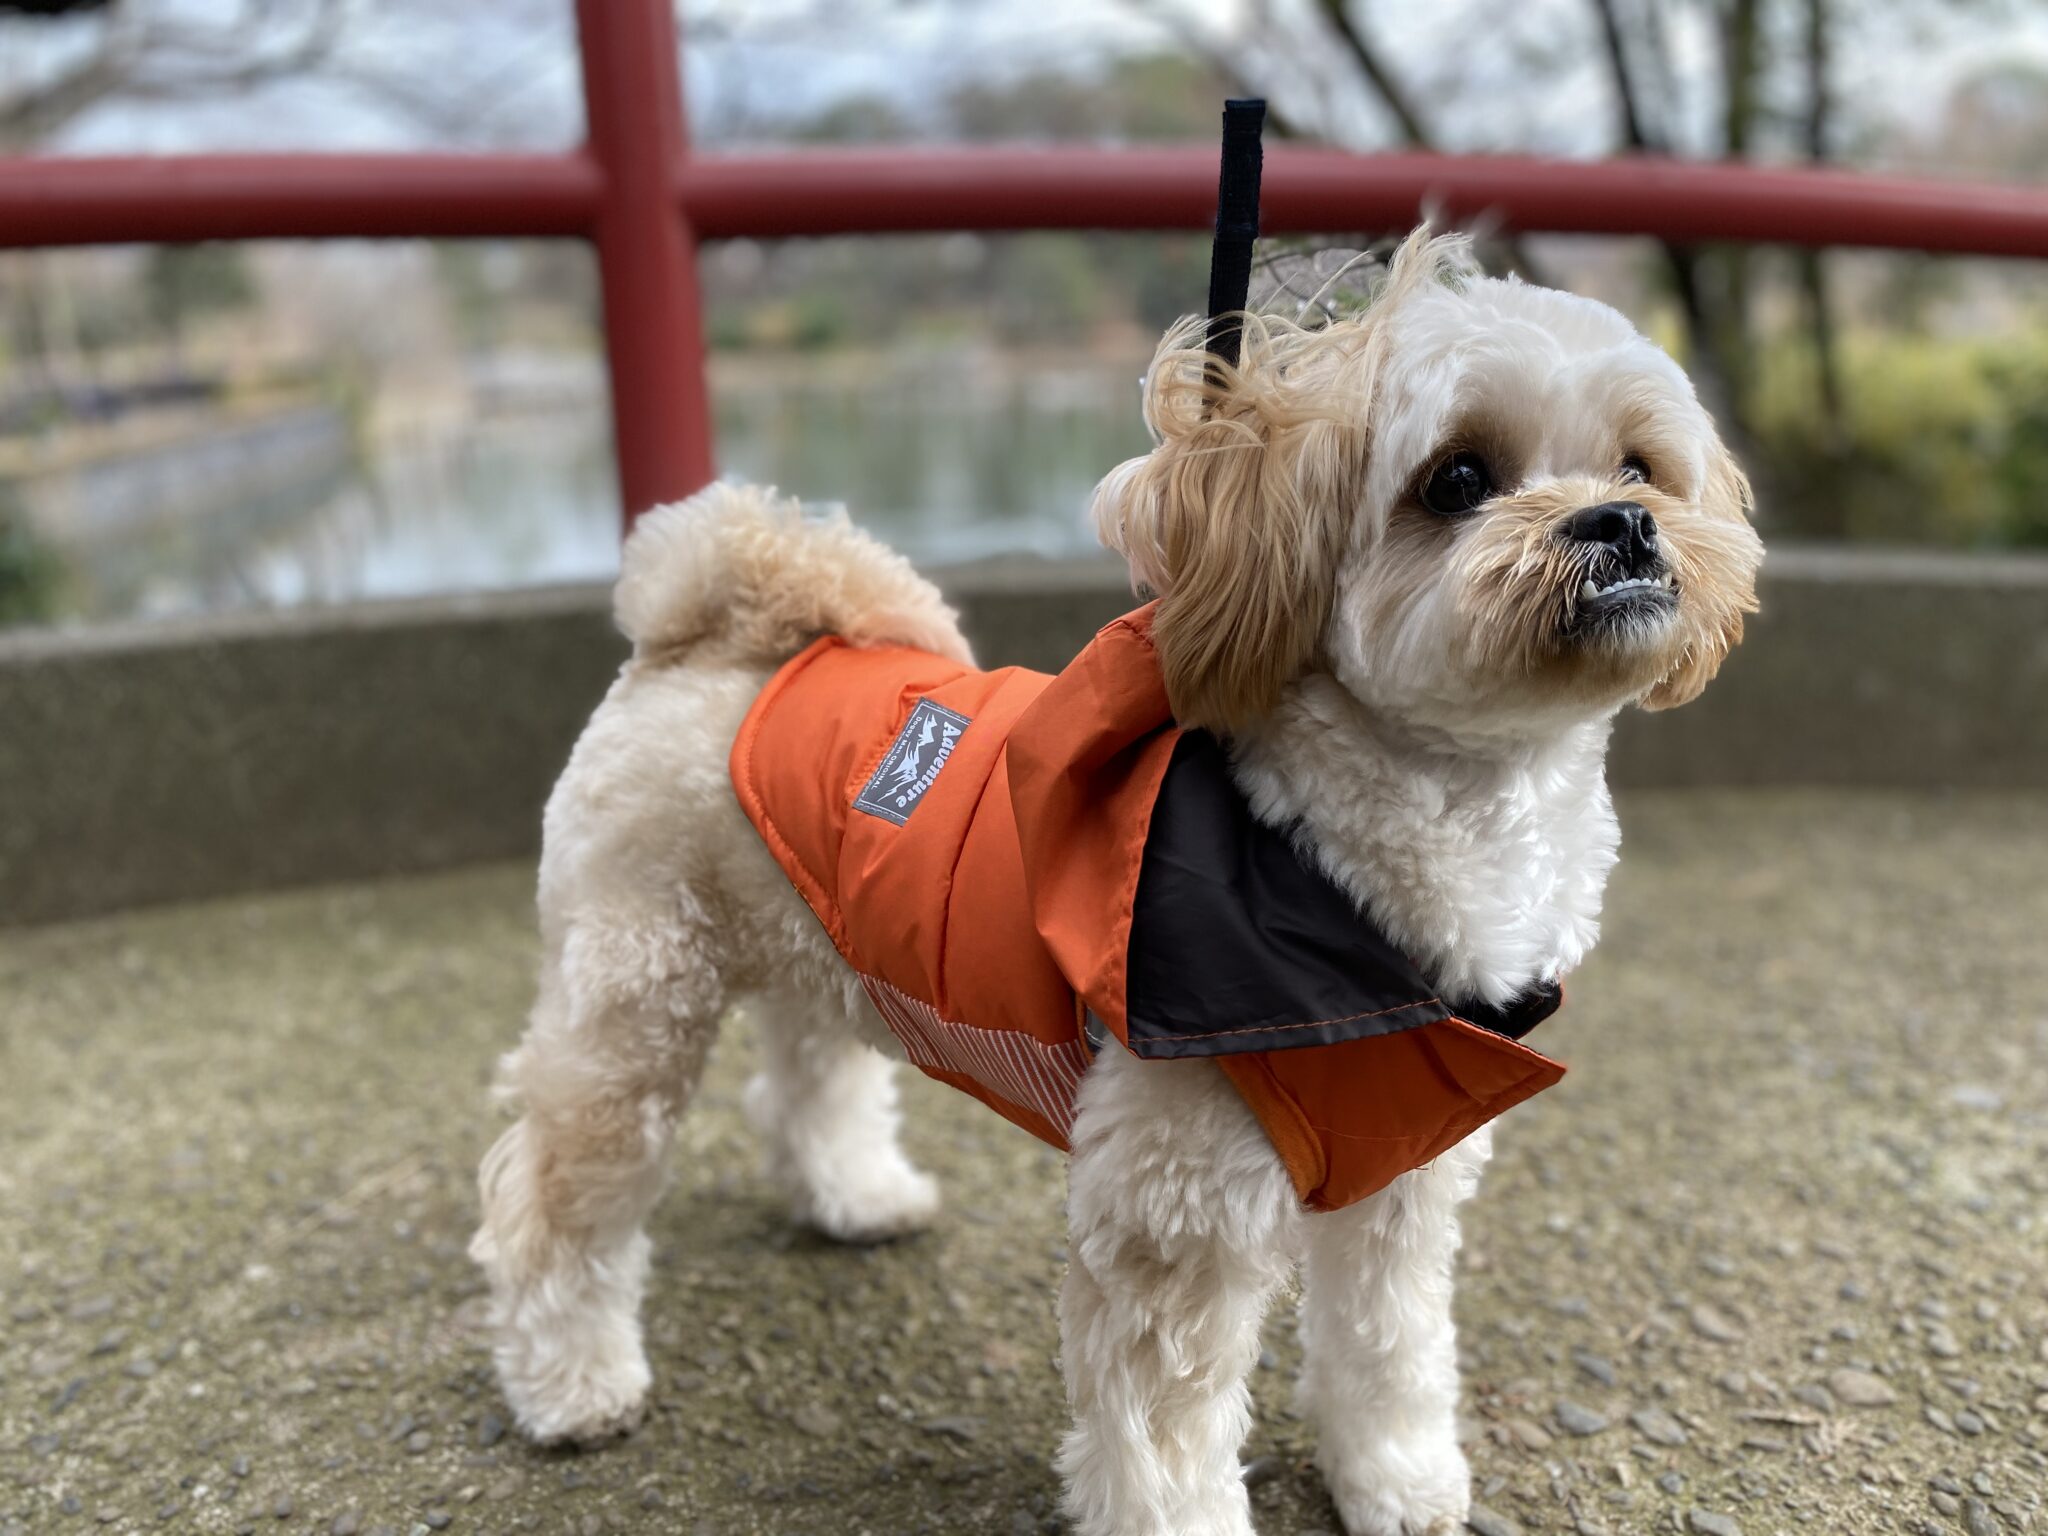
x=952, y=460
x=950, y=457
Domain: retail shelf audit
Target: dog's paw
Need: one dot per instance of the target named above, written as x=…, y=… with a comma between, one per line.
x=591, y=1425
x=572, y=1370
x=871, y=1205
x=578, y=1405
x=1401, y=1489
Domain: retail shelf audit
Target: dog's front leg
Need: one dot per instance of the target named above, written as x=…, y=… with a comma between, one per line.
x=1182, y=1223
x=1380, y=1359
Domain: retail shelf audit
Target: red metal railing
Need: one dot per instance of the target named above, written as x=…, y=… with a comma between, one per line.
x=645, y=202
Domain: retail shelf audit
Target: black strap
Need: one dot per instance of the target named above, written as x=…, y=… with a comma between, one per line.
x=1237, y=226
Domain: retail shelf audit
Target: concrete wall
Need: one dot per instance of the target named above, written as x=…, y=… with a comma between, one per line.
x=172, y=763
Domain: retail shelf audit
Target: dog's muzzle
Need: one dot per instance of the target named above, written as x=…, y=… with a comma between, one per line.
x=1626, y=573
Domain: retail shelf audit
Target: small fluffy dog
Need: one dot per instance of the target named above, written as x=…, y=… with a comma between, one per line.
x=1409, y=566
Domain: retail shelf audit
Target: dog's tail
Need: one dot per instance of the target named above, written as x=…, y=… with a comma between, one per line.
x=741, y=568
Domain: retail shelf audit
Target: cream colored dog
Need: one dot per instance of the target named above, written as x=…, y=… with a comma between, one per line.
x=1411, y=564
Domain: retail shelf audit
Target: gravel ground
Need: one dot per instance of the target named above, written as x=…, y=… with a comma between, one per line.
x=1773, y=1258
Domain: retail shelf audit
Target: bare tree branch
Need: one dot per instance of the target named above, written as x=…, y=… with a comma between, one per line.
x=143, y=55
x=1367, y=57
x=1227, y=60
x=1741, y=67
x=1394, y=97
x=1703, y=323
x=50, y=105
x=1662, y=85
x=1635, y=132
x=457, y=115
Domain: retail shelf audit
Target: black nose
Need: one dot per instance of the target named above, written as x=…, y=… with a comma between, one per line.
x=1624, y=527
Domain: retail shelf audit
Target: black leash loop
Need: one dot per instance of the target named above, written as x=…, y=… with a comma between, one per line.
x=1237, y=227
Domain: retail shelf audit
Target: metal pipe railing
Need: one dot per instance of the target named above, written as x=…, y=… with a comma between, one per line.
x=1315, y=191
x=107, y=201
x=635, y=191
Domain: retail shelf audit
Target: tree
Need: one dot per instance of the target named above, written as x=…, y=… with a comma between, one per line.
x=29, y=571
x=183, y=282
x=144, y=50
x=1759, y=85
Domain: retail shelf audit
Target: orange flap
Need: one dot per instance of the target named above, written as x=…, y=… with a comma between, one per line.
x=1085, y=763
x=1349, y=1119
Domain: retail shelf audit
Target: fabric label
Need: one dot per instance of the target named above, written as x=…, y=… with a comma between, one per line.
x=912, y=763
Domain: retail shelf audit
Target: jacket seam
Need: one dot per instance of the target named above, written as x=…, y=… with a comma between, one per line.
x=1349, y=1018
x=772, y=832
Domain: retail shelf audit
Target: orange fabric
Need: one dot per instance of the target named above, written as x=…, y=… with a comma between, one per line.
x=1084, y=772
x=817, y=733
x=999, y=907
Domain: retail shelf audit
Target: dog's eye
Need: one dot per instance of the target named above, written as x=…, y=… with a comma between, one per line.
x=1460, y=484
x=1635, y=470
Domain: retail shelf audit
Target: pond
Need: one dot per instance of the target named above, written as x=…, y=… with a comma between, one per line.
x=950, y=457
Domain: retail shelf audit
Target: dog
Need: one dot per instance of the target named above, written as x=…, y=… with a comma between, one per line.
x=1409, y=565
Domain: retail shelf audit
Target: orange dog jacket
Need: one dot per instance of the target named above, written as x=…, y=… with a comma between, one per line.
x=1023, y=869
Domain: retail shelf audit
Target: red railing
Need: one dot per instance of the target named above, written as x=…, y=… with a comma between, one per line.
x=636, y=193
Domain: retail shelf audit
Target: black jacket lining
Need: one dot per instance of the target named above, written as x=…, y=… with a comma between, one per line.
x=1518, y=1017
x=1240, y=944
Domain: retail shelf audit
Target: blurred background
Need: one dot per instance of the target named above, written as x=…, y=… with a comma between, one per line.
x=220, y=427
x=303, y=552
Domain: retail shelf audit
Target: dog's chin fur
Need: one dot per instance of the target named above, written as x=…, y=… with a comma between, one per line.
x=1422, y=698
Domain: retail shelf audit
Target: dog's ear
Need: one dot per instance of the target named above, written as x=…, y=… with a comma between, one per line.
x=1715, y=554
x=1238, y=519
x=1235, y=521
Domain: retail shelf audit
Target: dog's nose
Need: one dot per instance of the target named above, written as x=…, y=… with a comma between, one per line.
x=1624, y=527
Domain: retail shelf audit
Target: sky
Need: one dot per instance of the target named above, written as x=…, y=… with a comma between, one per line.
x=419, y=73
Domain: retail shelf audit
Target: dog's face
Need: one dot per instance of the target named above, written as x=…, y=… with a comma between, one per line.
x=1485, y=508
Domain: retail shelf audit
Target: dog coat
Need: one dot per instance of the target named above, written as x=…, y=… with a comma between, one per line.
x=1024, y=870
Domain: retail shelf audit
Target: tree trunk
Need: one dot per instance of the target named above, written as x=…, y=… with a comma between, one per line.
x=1686, y=268
x=1813, y=271
x=1740, y=55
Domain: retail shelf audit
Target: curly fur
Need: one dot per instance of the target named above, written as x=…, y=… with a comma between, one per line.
x=1412, y=694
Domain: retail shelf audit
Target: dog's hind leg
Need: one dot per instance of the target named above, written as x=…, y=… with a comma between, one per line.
x=1182, y=1224
x=826, y=1101
x=627, y=1011
x=1380, y=1355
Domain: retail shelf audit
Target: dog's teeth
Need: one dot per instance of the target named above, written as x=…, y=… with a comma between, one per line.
x=1588, y=591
